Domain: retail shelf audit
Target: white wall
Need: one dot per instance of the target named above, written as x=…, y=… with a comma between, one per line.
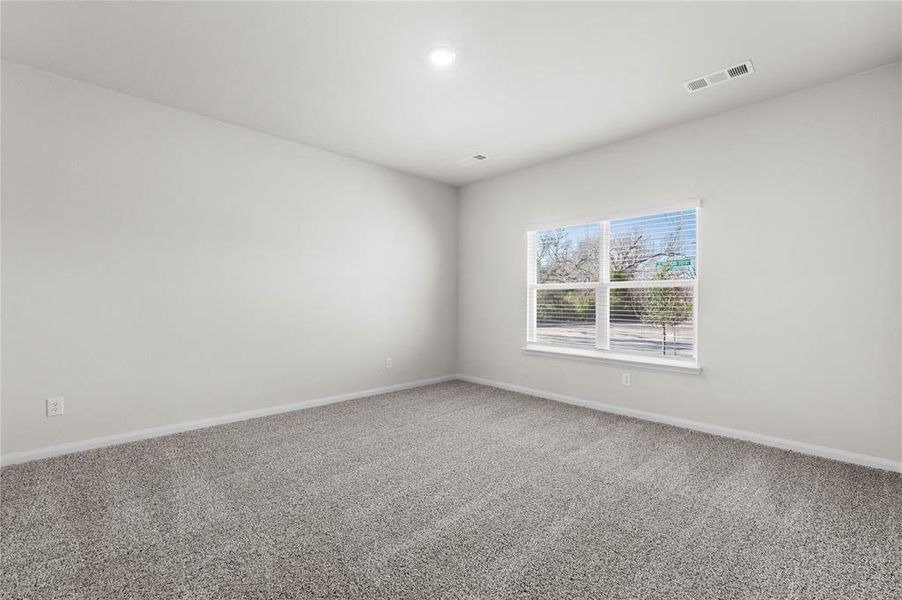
x=799, y=318
x=160, y=267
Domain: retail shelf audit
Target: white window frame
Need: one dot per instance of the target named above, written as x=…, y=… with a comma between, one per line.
x=602, y=294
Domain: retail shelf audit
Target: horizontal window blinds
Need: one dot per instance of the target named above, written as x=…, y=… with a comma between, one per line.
x=624, y=286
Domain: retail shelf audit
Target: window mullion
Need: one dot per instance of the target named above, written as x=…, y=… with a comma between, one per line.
x=580, y=285
x=653, y=283
x=602, y=295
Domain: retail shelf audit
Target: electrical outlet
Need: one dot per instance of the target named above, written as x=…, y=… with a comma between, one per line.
x=54, y=406
x=627, y=379
x=388, y=362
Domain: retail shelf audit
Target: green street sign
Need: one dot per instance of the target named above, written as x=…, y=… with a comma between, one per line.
x=677, y=262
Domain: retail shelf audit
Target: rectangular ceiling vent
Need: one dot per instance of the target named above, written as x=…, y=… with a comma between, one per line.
x=471, y=160
x=728, y=74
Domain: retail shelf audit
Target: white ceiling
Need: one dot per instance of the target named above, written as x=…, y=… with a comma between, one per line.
x=533, y=81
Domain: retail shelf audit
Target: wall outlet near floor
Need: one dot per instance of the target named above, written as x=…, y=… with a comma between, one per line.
x=388, y=362
x=626, y=379
x=54, y=406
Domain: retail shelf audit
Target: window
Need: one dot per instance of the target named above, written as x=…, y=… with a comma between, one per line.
x=621, y=289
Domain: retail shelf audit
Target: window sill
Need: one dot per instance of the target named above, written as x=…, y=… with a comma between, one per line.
x=658, y=364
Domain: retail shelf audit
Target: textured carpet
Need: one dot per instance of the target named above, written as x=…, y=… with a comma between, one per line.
x=449, y=491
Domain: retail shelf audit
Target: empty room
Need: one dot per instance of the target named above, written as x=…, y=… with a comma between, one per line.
x=451, y=300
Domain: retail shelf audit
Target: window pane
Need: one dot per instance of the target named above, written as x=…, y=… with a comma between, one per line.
x=653, y=321
x=566, y=318
x=659, y=246
x=567, y=254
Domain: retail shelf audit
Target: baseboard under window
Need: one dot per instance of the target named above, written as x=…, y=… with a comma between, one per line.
x=748, y=436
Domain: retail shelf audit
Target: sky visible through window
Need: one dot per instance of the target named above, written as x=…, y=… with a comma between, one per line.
x=659, y=246
x=568, y=254
x=656, y=241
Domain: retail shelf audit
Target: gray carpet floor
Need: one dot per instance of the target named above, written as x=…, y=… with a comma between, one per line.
x=448, y=491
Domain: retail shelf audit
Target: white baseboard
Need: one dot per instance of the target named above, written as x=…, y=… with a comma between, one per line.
x=143, y=434
x=748, y=436
x=758, y=438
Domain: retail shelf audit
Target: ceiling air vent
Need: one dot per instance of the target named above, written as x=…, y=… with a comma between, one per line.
x=701, y=83
x=471, y=160
x=738, y=70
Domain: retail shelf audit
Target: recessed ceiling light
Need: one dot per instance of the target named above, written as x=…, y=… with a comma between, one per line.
x=442, y=57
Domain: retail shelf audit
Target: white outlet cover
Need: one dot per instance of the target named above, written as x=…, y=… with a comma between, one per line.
x=388, y=363
x=55, y=406
x=627, y=379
